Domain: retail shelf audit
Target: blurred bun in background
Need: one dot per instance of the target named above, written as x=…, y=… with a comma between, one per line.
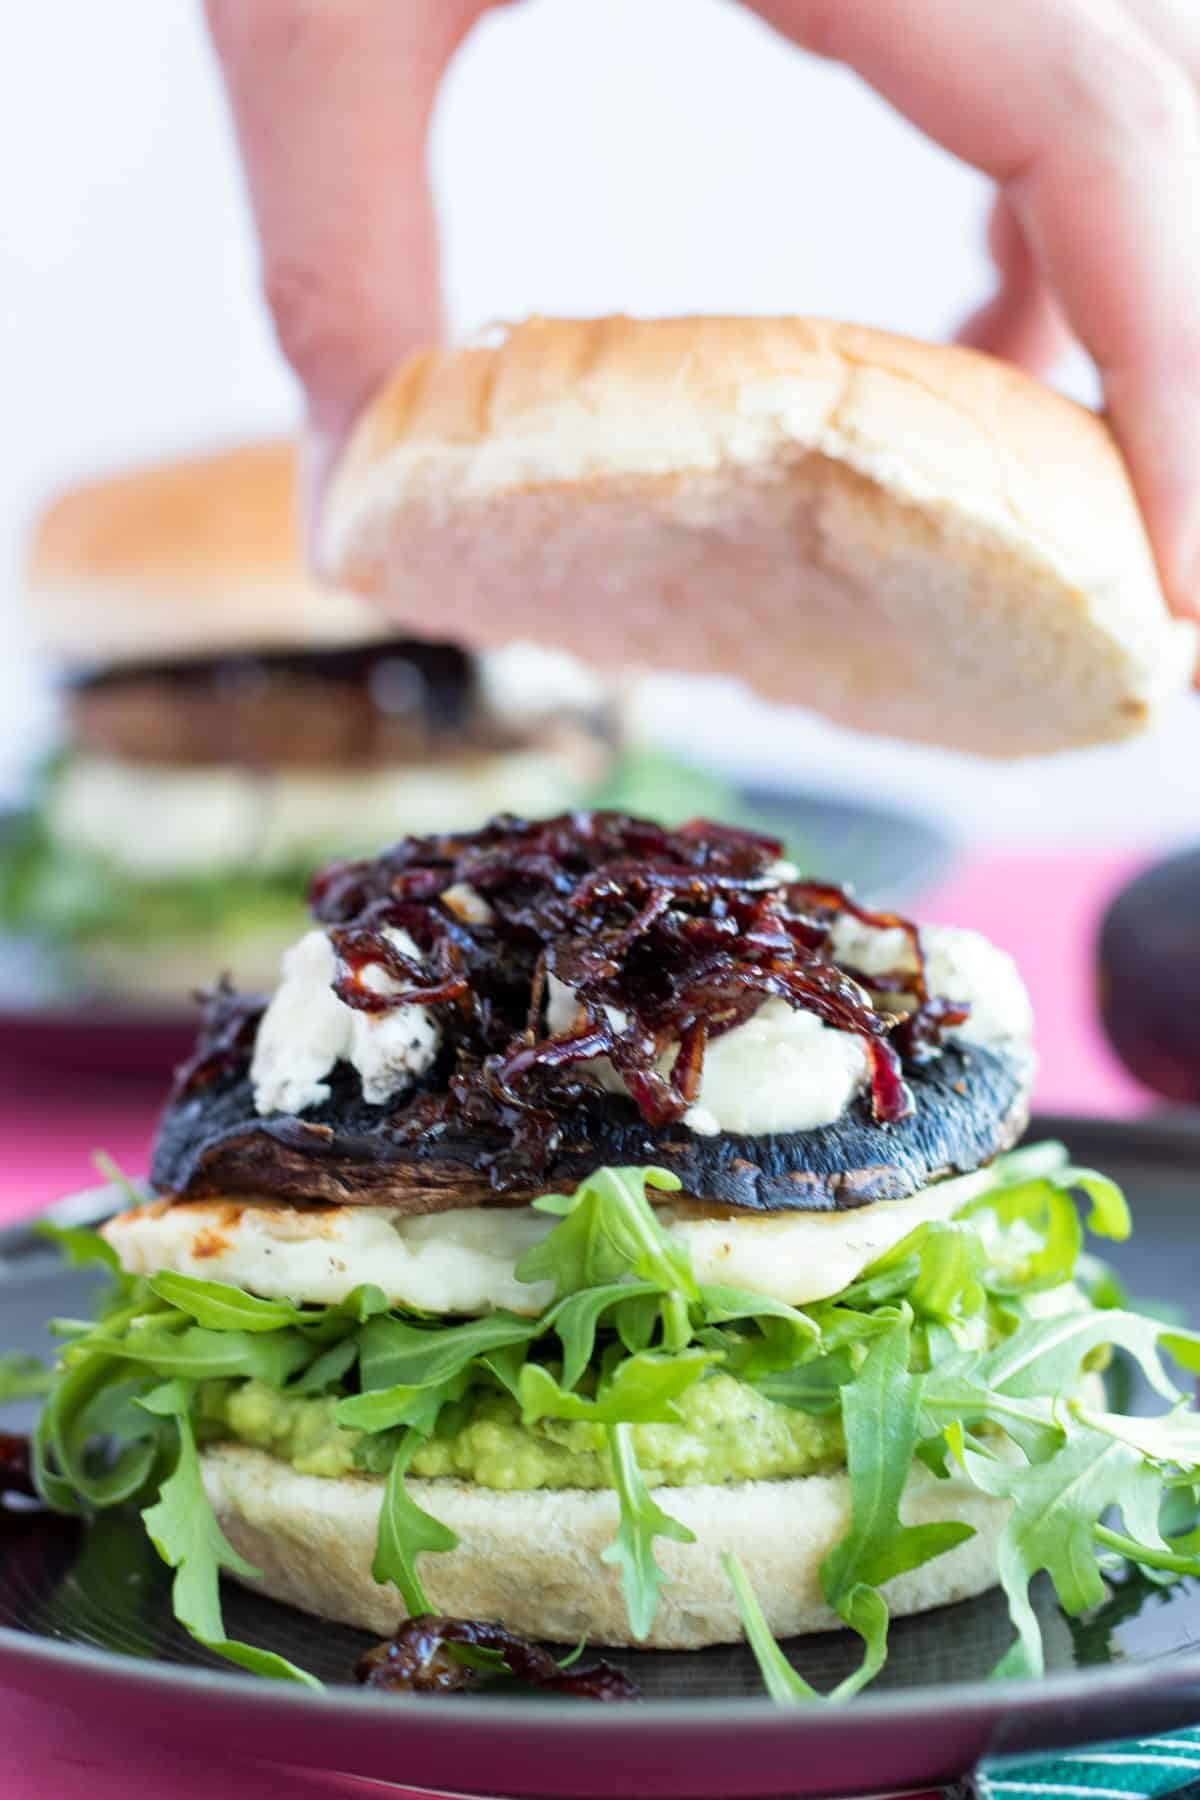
x=228, y=725
x=183, y=558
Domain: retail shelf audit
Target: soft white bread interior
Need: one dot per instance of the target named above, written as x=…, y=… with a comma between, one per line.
x=533, y=1560
x=915, y=540
x=188, y=558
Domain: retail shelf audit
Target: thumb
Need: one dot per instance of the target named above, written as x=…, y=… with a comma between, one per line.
x=332, y=106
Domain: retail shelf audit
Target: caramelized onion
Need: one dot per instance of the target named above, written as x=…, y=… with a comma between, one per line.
x=420, y=1660
x=666, y=939
x=225, y=1044
x=16, y=1465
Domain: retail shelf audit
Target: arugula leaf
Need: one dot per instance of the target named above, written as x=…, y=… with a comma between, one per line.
x=572, y=1657
x=375, y=1452
x=811, y=1387
x=183, y=1529
x=113, y=1416
x=797, y=1332
x=784, y=1684
x=1175, y=1559
x=577, y=1318
x=1104, y=1288
x=1057, y=1506
x=1184, y=1346
x=361, y=1303
x=1050, y=1161
x=219, y=1306
x=328, y=1369
x=1046, y=1355
x=936, y=1269
x=847, y=1327
x=22, y=1377
x=1033, y=1235
x=197, y=1354
x=384, y=1408
x=868, y=1616
x=112, y=1171
x=58, y=1467
x=609, y=1232
x=1109, y=1217
x=723, y=1304
x=1180, y=1514
x=1032, y=1162
x=642, y=1520
x=881, y=1412
x=394, y=1353
x=78, y=1245
x=88, y=1401
x=1015, y=1387
x=405, y=1532
x=642, y=1390
x=504, y=1366
x=1172, y=1437
x=956, y=1392
x=637, y=1318
x=949, y=1282
x=1036, y=1194
x=866, y=1612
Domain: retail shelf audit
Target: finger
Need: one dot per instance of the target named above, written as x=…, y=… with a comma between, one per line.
x=1175, y=27
x=1095, y=135
x=332, y=105
x=1021, y=321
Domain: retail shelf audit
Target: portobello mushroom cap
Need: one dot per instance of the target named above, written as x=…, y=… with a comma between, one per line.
x=971, y=1104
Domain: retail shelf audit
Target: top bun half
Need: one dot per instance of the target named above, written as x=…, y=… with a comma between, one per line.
x=198, y=557
x=914, y=540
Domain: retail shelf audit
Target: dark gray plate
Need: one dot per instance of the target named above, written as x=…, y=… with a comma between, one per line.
x=47, y=1017
x=85, y=1617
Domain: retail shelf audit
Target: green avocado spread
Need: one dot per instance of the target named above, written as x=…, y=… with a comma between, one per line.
x=726, y=1432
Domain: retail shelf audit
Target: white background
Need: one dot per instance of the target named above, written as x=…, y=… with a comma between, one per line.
x=590, y=155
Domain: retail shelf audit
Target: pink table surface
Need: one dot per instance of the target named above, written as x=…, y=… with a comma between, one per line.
x=1043, y=906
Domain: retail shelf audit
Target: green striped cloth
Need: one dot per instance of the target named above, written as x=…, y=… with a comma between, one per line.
x=1133, y=1771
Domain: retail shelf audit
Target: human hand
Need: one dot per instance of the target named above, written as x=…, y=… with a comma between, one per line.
x=332, y=101
x=1084, y=112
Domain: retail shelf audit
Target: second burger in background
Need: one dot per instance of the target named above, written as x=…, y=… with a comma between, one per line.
x=229, y=726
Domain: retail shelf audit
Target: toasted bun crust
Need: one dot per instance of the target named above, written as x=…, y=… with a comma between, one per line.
x=183, y=559
x=532, y=1560
x=915, y=540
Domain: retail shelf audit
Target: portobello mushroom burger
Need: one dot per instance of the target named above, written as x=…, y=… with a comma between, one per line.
x=608, y=1230
x=228, y=725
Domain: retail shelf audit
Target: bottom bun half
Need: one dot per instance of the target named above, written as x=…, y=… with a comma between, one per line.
x=533, y=1560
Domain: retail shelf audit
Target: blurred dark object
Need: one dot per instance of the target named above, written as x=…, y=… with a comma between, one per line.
x=1149, y=968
